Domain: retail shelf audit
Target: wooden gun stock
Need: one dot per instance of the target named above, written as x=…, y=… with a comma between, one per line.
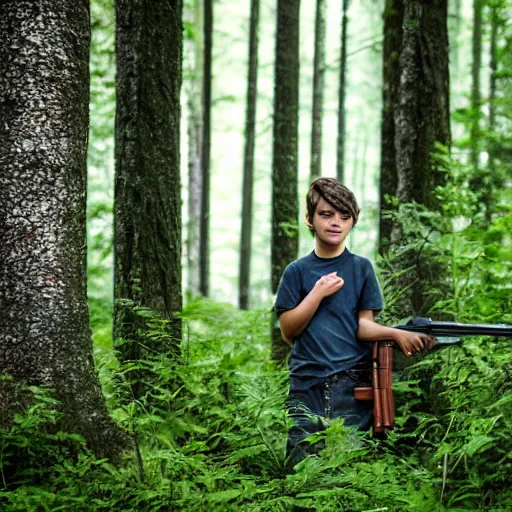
x=381, y=391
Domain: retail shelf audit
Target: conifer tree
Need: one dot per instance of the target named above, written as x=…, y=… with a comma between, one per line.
x=204, y=230
x=250, y=136
x=193, y=68
x=318, y=90
x=422, y=115
x=475, y=81
x=147, y=209
x=422, y=119
x=393, y=33
x=284, y=247
x=340, y=153
x=45, y=337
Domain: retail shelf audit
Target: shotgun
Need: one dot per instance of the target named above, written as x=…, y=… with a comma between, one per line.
x=381, y=390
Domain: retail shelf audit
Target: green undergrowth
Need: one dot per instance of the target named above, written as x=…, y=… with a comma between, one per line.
x=210, y=433
x=209, y=426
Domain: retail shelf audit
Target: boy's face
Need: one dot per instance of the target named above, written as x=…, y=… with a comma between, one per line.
x=331, y=226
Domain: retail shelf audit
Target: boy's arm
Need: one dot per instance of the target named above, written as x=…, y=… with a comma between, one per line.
x=409, y=342
x=294, y=321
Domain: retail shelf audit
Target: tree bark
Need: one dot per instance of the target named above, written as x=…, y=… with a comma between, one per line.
x=495, y=180
x=422, y=119
x=455, y=30
x=194, y=51
x=357, y=165
x=250, y=135
x=493, y=64
x=393, y=33
x=340, y=160
x=475, y=82
x=204, y=240
x=147, y=185
x=363, y=188
x=44, y=107
x=318, y=90
x=422, y=115
x=285, y=239
x=194, y=130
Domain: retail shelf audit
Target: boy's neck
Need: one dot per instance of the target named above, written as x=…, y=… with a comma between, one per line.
x=323, y=250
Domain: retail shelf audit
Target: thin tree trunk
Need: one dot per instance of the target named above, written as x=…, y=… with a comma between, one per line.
x=361, y=180
x=492, y=116
x=204, y=247
x=340, y=160
x=475, y=81
x=250, y=135
x=45, y=337
x=194, y=129
x=492, y=83
x=455, y=43
x=363, y=188
x=284, y=246
x=147, y=186
x=393, y=33
x=356, y=165
x=422, y=119
x=318, y=90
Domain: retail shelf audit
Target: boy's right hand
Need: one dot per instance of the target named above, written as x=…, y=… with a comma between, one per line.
x=328, y=284
x=411, y=342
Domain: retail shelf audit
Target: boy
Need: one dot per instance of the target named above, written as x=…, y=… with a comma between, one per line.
x=325, y=304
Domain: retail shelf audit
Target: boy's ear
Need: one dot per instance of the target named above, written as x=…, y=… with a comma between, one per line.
x=309, y=224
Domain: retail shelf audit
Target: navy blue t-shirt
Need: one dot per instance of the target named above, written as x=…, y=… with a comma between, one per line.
x=329, y=343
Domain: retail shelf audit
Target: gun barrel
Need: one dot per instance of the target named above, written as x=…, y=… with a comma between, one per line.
x=435, y=328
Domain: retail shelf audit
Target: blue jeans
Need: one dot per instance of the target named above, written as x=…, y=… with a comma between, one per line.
x=311, y=406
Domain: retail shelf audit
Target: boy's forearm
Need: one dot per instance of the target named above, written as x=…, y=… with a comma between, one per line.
x=409, y=342
x=294, y=321
x=372, y=331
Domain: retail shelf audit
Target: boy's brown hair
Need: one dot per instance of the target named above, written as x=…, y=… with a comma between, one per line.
x=334, y=193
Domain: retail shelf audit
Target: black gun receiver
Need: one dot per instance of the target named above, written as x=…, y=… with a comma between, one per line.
x=447, y=333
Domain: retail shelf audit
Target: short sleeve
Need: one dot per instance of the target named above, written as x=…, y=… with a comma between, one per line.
x=371, y=294
x=289, y=291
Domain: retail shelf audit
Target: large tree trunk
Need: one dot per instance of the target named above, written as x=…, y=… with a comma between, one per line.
x=250, y=135
x=285, y=156
x=147, y=186
x=318, y=91
x=194, y=51
x=422, y=117
x=204, y=231
x=340, y=156
x=44, y=107
x=393, y=33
